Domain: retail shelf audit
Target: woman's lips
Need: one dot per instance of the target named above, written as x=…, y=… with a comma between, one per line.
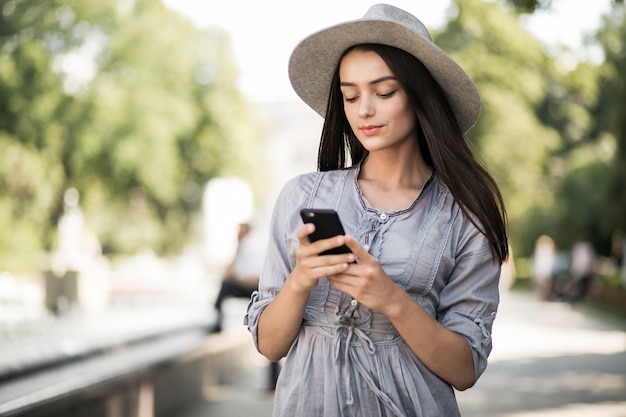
x=370, y=130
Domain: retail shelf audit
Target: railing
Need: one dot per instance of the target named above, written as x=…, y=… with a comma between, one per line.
x=149, y=377
x=147, y=355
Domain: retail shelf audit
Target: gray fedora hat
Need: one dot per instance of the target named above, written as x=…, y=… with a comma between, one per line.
x=314, y=60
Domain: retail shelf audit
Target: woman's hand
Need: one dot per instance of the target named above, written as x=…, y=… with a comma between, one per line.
x=281, y=320
x=310, y=266
x=365, y=281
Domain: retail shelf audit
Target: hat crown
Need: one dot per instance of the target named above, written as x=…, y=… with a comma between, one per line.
x=316, y=58
x=399, y=16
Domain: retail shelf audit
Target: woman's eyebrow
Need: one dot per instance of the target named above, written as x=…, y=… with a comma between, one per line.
x=376, y=81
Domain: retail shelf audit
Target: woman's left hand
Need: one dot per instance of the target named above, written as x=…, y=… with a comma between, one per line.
x=365, y=280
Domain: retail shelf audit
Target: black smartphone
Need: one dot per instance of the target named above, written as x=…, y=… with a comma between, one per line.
x=327, y=224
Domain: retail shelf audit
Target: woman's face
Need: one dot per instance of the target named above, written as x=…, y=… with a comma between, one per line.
x=376, y=105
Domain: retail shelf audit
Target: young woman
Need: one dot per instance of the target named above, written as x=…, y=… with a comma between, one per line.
x=392, y=327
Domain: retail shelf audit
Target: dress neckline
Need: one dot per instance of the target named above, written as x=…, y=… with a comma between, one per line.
x=384, y=214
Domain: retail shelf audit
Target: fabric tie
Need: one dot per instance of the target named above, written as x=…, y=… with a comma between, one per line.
x=349, y=322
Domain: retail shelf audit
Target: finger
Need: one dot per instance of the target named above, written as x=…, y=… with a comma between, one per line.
x=334, y=270
x=356, y=247
x=323, y=245
x=304, y=231
x=346, y=258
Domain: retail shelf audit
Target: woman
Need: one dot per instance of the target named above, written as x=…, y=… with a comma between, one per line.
x=391, y=328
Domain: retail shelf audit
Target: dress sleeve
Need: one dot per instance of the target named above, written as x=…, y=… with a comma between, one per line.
x=280, y=254
x=469, y=302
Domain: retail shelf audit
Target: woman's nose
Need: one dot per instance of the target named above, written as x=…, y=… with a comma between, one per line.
x=366, y=107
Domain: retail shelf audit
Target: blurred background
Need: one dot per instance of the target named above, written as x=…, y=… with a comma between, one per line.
x=115, y=118
x=136, y=135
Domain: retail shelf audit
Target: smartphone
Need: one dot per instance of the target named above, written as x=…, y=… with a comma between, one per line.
x=327, y=224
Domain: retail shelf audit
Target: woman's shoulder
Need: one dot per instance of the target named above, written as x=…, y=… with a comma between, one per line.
x=299, y=190
x=304, y=182
x=299, y=182
x=296, y=189
x=463, y=224
x=443, y=198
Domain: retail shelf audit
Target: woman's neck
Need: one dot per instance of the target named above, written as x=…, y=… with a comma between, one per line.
x=393, y=182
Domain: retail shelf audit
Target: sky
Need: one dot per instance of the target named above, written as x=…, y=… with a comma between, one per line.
x=264, y=32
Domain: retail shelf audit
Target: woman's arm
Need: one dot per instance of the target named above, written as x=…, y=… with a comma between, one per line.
x=280, y=322
x=446, y=353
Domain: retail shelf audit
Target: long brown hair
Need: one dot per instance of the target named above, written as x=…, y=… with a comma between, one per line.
x=443, y=145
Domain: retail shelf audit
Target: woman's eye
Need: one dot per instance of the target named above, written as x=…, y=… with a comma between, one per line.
x=387, y=95
x=350, y=99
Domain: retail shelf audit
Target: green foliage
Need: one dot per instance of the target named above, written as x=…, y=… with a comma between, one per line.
x=530, y=6
x=511, y=72
x=587, y=108
x=124, y=101
x=135, y=108
x=553, y=138
x=610, y=111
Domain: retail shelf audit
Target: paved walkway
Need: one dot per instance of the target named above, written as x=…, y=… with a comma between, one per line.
x=549, y=360
x=247, y=394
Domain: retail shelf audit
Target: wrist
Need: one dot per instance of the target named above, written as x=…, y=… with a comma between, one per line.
x=296, y=286
x=397, y=306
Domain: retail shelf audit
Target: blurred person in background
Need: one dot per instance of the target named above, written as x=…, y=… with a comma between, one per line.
x=582, y=267
x=544, y=261
x=624, y=264
x=618, y=253
x=241, y=277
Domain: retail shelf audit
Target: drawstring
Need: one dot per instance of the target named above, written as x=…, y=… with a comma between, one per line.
x=346, y=372
x=346, y=320
x=349, y=359
x=371, y=349
x=479, y=321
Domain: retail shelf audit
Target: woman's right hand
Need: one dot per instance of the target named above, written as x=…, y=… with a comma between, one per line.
x=310, y=266
x=281, y=320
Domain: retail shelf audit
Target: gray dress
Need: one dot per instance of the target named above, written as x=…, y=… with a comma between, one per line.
x=349, y=360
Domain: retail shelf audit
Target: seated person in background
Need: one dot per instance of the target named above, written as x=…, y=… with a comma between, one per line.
x=241, y=278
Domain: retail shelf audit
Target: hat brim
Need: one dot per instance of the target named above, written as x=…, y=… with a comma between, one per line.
x=315, y=59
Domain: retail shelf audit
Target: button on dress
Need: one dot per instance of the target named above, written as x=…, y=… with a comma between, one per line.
x=348, y=360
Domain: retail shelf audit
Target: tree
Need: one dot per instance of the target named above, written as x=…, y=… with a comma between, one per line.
x=586, y=107
x=32, y=125
x=124, y=101
x=550, y=134
x=530, y=6
x=610, y=111
x=182, y=122
x=511, y=71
